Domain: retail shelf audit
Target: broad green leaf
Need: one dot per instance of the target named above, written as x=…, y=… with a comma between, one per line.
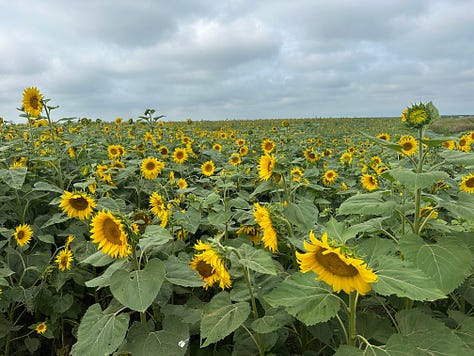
x=457, y=157
x=338, y=231
x=262, y=187
x=218, y=218
x=307, y=299
x=153, y=236
x=137, y=289
x=462, y=208
x=414, y=180
x=304, y=214
x=47, y=187
x=391, y=145
x=448, y=261
x=257, y=260
x=57, y=218
x=271, y=322
x=221, y=317
x=420, y=334
x=111, y=204
x=367, y=204
x=178, y=272
x=100, y=333
x=104, y=279
x=466, y=332
x=98, y=259
x=370, y=350
x=15, y=178
x=375, y=248
x=404, y=280
x=189, y=220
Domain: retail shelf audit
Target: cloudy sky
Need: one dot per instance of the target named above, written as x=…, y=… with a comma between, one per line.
x=242, y=59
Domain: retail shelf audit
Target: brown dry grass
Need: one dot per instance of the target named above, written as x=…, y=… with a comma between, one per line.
x=453, y=125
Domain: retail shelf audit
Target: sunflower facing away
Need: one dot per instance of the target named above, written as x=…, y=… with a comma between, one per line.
x=151, y=167
x=207, y=168
x=64, y=259
x=467, y=184
x=23, y=234
x=266, y=163
x=263, y=218
x=77, y=205
x=32, y=101
x=369, y=182
x=108, y=232
x=180, y=155
x=210, y=266
x=409, y=145
x=337, y=269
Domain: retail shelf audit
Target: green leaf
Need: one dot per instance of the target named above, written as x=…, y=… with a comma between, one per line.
x=100, y=333
x=98, y=259
x=221, y=317
x=257, y=260
x=367, y=204
x=448, y=262
x=466, y=332
x=404, y=280
x=137, y=289
x=414, y=180
x=153, y=236
x=303, y=214
x=375, y=248
x=15, y=178
x=272, y=322
x=337, y=230
x=111, y=204
x=462, y=208
x=57, y=218
x=46, y=187
x=218, y=218
x=422, y=335
x=178, y=272
x=189, y=220
x=457, y=157
x=307, y=299
x=104, y=279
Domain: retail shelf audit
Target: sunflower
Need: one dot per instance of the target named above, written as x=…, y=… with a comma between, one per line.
x=266, y=164
x=64, y=259
x=151, y=168
x=467, y=184
x=164, y=151
x=408, y=144
x=251, y=231
x=346, y=158
x=240, y=142
x=311, y=156
x=41, y=328
x=268, y=146
x=182, y=184
x=180, y=155
x=23, y=234
x=337, y=269
x=235, y=159
x=210, y=266
x=384, y=136
x=329, y=177
x=464, y=143
x=449, y=144
x=207, y=168
x=369, y=182
x=296, y=174
x=77, y=205
x=263, y=218
x=217, y=147
x=157, y=204
x=108, y=231
x=428, y=211
x=243, y=150
x=113, y=151
x=32, y=101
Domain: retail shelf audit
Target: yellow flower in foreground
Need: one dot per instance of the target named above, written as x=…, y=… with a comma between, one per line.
x=210, y=266
x=151, y=168
x=32, y=101
x=180, y=155
x=266, y=164
x=41, y=328
x=77, y=205
x=329, y=177
x=464, y=143
x=108, y=232
x=263, y=218
x=409, y=145
x=337, y=269
x=369, y=182
x=23, y=234
x=467, y=184
x=207, y=168
x=64, y=259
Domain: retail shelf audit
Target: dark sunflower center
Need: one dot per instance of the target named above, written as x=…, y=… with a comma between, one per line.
x=34, y=102
x=372, y=180
x=329, y=175
x=64, y=260
x=79, y=203
x=204, y=269
x=179, y=155
x=335, y=265
x=114, y=151
x=407, y=146
x=21, y=234
x=462, y=142
x=112, y=232
x=470, y=183
x=150, y=166
x=208, y=168
x=268, y=146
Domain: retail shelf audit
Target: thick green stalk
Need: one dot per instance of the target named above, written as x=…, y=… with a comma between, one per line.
x=419, y=169
x=352, y=317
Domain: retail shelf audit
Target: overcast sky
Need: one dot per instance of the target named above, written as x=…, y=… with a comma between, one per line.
x=242, y=59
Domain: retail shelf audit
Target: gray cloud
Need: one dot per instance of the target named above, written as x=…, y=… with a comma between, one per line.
x=237, y=59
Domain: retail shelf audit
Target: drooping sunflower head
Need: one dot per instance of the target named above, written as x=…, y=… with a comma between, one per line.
x=23, y=234
x=207, y=168
x=263, y=218
x=251, y=231
x=210, y=266
x=266, y=164
x=334, y=267
x=180, y=155
x=268, y=146
x=141, y=219
x=329, y=177
x=157, y=204
x=467, y=184
x=32, y=101
x=77, y=205
x=108, y=231
x=151, y=168
x=409, y=145
x=64, y=259
x=369, y=182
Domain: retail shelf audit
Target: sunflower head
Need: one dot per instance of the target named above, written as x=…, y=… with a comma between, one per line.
x=409, y=145
x=41, y=328
x=180, y=155
x=64, y=259
x=266, y=164
x=77, y=205
x=384, y=136
x=208, y=168
x=329, y=177
x=369, y=182
x=108, y=231
x=23, y=234
x=32, y=101
x=151, y=168
x=268, y=146
x=419, y=115
x=467, y=184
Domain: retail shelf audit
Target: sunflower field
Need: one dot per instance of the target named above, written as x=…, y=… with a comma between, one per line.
x=267, y=237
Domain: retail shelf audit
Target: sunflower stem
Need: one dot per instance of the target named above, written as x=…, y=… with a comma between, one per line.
x=419, y=169
x=353, y=296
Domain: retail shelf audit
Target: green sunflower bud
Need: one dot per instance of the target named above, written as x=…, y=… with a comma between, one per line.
x=419, y=115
